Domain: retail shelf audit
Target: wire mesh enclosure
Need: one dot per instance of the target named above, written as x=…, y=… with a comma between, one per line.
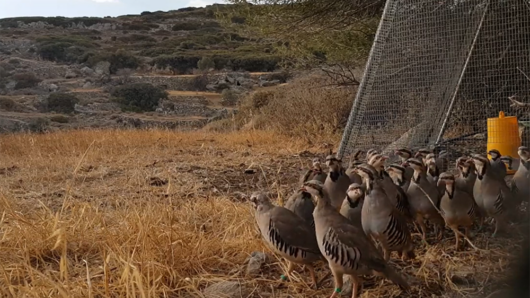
x=437, y=70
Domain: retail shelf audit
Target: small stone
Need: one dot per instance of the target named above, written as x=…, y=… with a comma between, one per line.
x=226, y=289
x=255, y=262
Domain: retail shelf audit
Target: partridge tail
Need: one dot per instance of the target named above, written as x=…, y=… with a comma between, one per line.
x=396, y=278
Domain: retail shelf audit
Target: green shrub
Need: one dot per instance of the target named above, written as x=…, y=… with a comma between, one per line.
x=7, y=104
x=138, y=97
x=119, y=60
x=190, y=45
x=61, y=102
x=229, y=97
x=261, y=99
x=139, y=26
x=206, y=63
x=55, y=21
x=4, y=73
x=133, y=38
x=38, y=125
x=282, y=76
x=187, y=26
x=178, y=63
x=64, y=48
x=59, y=119
x=25, y=80
x=199, y=83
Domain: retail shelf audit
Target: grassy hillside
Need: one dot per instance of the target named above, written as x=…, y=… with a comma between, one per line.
x=176, y=40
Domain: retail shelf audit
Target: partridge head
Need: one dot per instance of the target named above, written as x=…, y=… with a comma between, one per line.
x=404, y=153
x=495, y=154
x=397, y=173
x=354, y=194
x=524, y=153
x=481, y=164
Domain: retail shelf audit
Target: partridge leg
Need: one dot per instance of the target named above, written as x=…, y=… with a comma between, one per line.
x=386, y=254
x=290, y=268
x=457, y=237
x=357, y=286
x=423, y=229
x=313, y=276
x=499, y=227
x=439, y=232
x=480, y=223
x=338, y=284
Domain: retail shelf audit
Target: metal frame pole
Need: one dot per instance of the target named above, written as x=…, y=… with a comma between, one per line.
x=367, y=80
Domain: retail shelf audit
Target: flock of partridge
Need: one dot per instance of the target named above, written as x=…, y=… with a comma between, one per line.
x=343, y=215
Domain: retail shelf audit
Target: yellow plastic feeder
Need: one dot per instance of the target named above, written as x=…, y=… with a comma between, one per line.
x=503, y=135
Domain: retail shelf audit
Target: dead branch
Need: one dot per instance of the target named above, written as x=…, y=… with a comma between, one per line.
x=517, y=104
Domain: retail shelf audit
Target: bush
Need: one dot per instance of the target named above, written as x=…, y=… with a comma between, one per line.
x=138, y=97
x=229, y=98
x=297, y=110
x=119, y=60
x=7, y=104
x=38, y=125
x=139, y=26
x=190, y=26
x=133, y=38
x=261, y=99
x=59, y=119
x=4, y=73
x=179, y=64
x=64, y=48
x=199, y=83
x=55, y=21
x=205, y=64
x=282, y=76
x=26, y=80
x=61, y=102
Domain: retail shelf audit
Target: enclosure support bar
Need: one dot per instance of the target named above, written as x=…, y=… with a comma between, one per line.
x=461, y=76
x=373, y=59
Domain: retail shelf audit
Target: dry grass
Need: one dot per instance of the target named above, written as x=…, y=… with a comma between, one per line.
x=80, y=218
x=309, y=108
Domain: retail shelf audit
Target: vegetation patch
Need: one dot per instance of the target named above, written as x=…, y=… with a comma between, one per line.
x=119, y=60
x=64, y=48
x=61, y=102
x=54, y=21
x=140, y=97
x=25, y=80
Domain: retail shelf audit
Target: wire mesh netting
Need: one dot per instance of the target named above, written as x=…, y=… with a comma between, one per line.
x=437, y=71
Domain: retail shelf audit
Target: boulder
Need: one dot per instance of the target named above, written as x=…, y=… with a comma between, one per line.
x=255, y=262
x=70, y=74
x=226, y=289
x=102, y=68
x=87, y=71
x=53, y=88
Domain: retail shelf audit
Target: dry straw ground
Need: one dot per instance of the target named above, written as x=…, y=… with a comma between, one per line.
x=80, y=218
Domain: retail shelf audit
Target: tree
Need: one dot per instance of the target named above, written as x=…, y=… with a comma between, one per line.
x=309, y=33
x=139, y=97
x=26, y=80
x=206, y=63
x=61, y=102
